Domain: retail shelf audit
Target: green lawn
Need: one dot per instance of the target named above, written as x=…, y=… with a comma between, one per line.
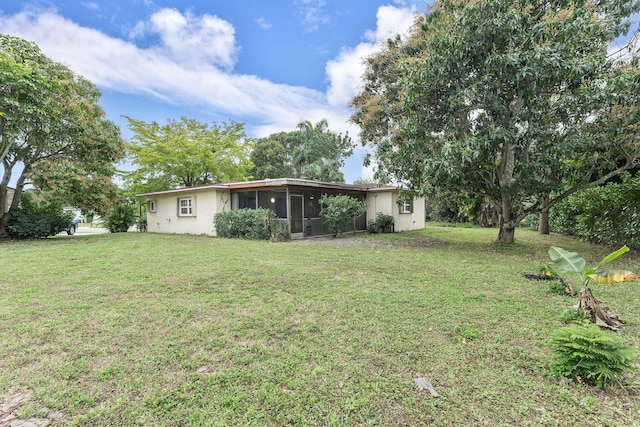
x=151, y=330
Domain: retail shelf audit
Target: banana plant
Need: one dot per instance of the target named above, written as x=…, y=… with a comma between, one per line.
x=575, y=266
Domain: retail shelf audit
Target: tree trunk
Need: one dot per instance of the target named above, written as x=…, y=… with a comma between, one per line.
x=543, y=224
x=4, y=220
x=505, y=175
x=506, y=236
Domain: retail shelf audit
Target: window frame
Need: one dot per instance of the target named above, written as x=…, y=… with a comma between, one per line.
x=152, y=205
x=406, y=207
x=190, y=208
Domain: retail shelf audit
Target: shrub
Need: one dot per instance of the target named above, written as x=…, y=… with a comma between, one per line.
x=574, y=315
x=340, y=212
x=255, y=224
x=121, y=218
x=588, y=354
x=141, y=225
x=382, y=224
x=34, y=220
x=608, y=215
x=557, y=287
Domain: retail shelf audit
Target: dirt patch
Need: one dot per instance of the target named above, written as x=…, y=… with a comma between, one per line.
x=10, y=407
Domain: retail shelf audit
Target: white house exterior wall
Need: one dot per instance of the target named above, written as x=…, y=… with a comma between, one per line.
x=205, y=204
x=386, y=202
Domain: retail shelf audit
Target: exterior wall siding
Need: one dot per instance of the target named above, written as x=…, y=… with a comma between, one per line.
x=386, y=202
x=204, y=205
x=166, y=213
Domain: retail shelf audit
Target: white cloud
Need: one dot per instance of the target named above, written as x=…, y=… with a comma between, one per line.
x=194, y=39
x=345, y=72
x=122, y=66
x=192, y=65
x=263, y=23
x=312, y=13
x=91, y=5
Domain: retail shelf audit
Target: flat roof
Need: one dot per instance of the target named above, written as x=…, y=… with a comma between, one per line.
x=278, y=182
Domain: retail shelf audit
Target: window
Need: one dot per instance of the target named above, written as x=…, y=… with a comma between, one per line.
x=185, y=206
x=151, y=206
x=406, y=207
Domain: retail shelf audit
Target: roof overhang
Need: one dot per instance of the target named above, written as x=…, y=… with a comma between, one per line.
x=274, y=183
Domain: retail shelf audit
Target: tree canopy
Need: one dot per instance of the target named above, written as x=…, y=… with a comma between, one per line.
x=517, y=102
x=312, y=151
x=53, y=133
x=187, y=153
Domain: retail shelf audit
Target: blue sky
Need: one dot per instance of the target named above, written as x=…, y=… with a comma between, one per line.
x=268, y=64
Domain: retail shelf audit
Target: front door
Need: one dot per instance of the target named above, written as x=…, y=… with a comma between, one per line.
x=297, y=217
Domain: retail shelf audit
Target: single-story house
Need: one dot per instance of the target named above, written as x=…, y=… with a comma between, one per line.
x=190, y=210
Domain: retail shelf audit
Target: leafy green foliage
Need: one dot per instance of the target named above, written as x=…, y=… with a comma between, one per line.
x=255, y=224
x=466, y=332
x=558, y=288
x=186, y=153
x=121, y=217
x=341, y=212
x=270, y=157
x=573, y=315
x=492, y=98
x=586, y=353
x=326, y=170
x=575, y=265
x=34, y=220
x=382, y=224
x=312, y=151
x=608, y=214
x=52, y=125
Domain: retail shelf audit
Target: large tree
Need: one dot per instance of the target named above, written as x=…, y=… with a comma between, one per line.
x=187, y=153
x=53, y=133
x=271, y=157
x=311, y=151
x=509, y=100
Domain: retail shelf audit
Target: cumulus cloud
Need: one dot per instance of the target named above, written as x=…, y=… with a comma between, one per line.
x=345, y=72
x=122, y=66
x=191, y=63
x=193, y=39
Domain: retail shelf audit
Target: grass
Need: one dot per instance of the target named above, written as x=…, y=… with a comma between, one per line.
x=146, y=329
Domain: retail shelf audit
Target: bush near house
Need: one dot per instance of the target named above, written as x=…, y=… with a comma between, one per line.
x=382, y=224
x=255, y=224
x=121, y=218
x=341, y=212
x=33, y=220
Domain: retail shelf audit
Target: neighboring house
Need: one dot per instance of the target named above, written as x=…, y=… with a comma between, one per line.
x=77, y=213
x=10, y=193
x=190, y=210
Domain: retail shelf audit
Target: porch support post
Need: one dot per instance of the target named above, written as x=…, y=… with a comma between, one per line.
x=288, y=213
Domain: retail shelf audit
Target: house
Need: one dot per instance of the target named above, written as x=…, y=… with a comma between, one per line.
x=10, y=193
x=190, y=210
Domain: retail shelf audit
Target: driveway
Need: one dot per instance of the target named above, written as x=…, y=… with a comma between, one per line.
x=91, y=230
